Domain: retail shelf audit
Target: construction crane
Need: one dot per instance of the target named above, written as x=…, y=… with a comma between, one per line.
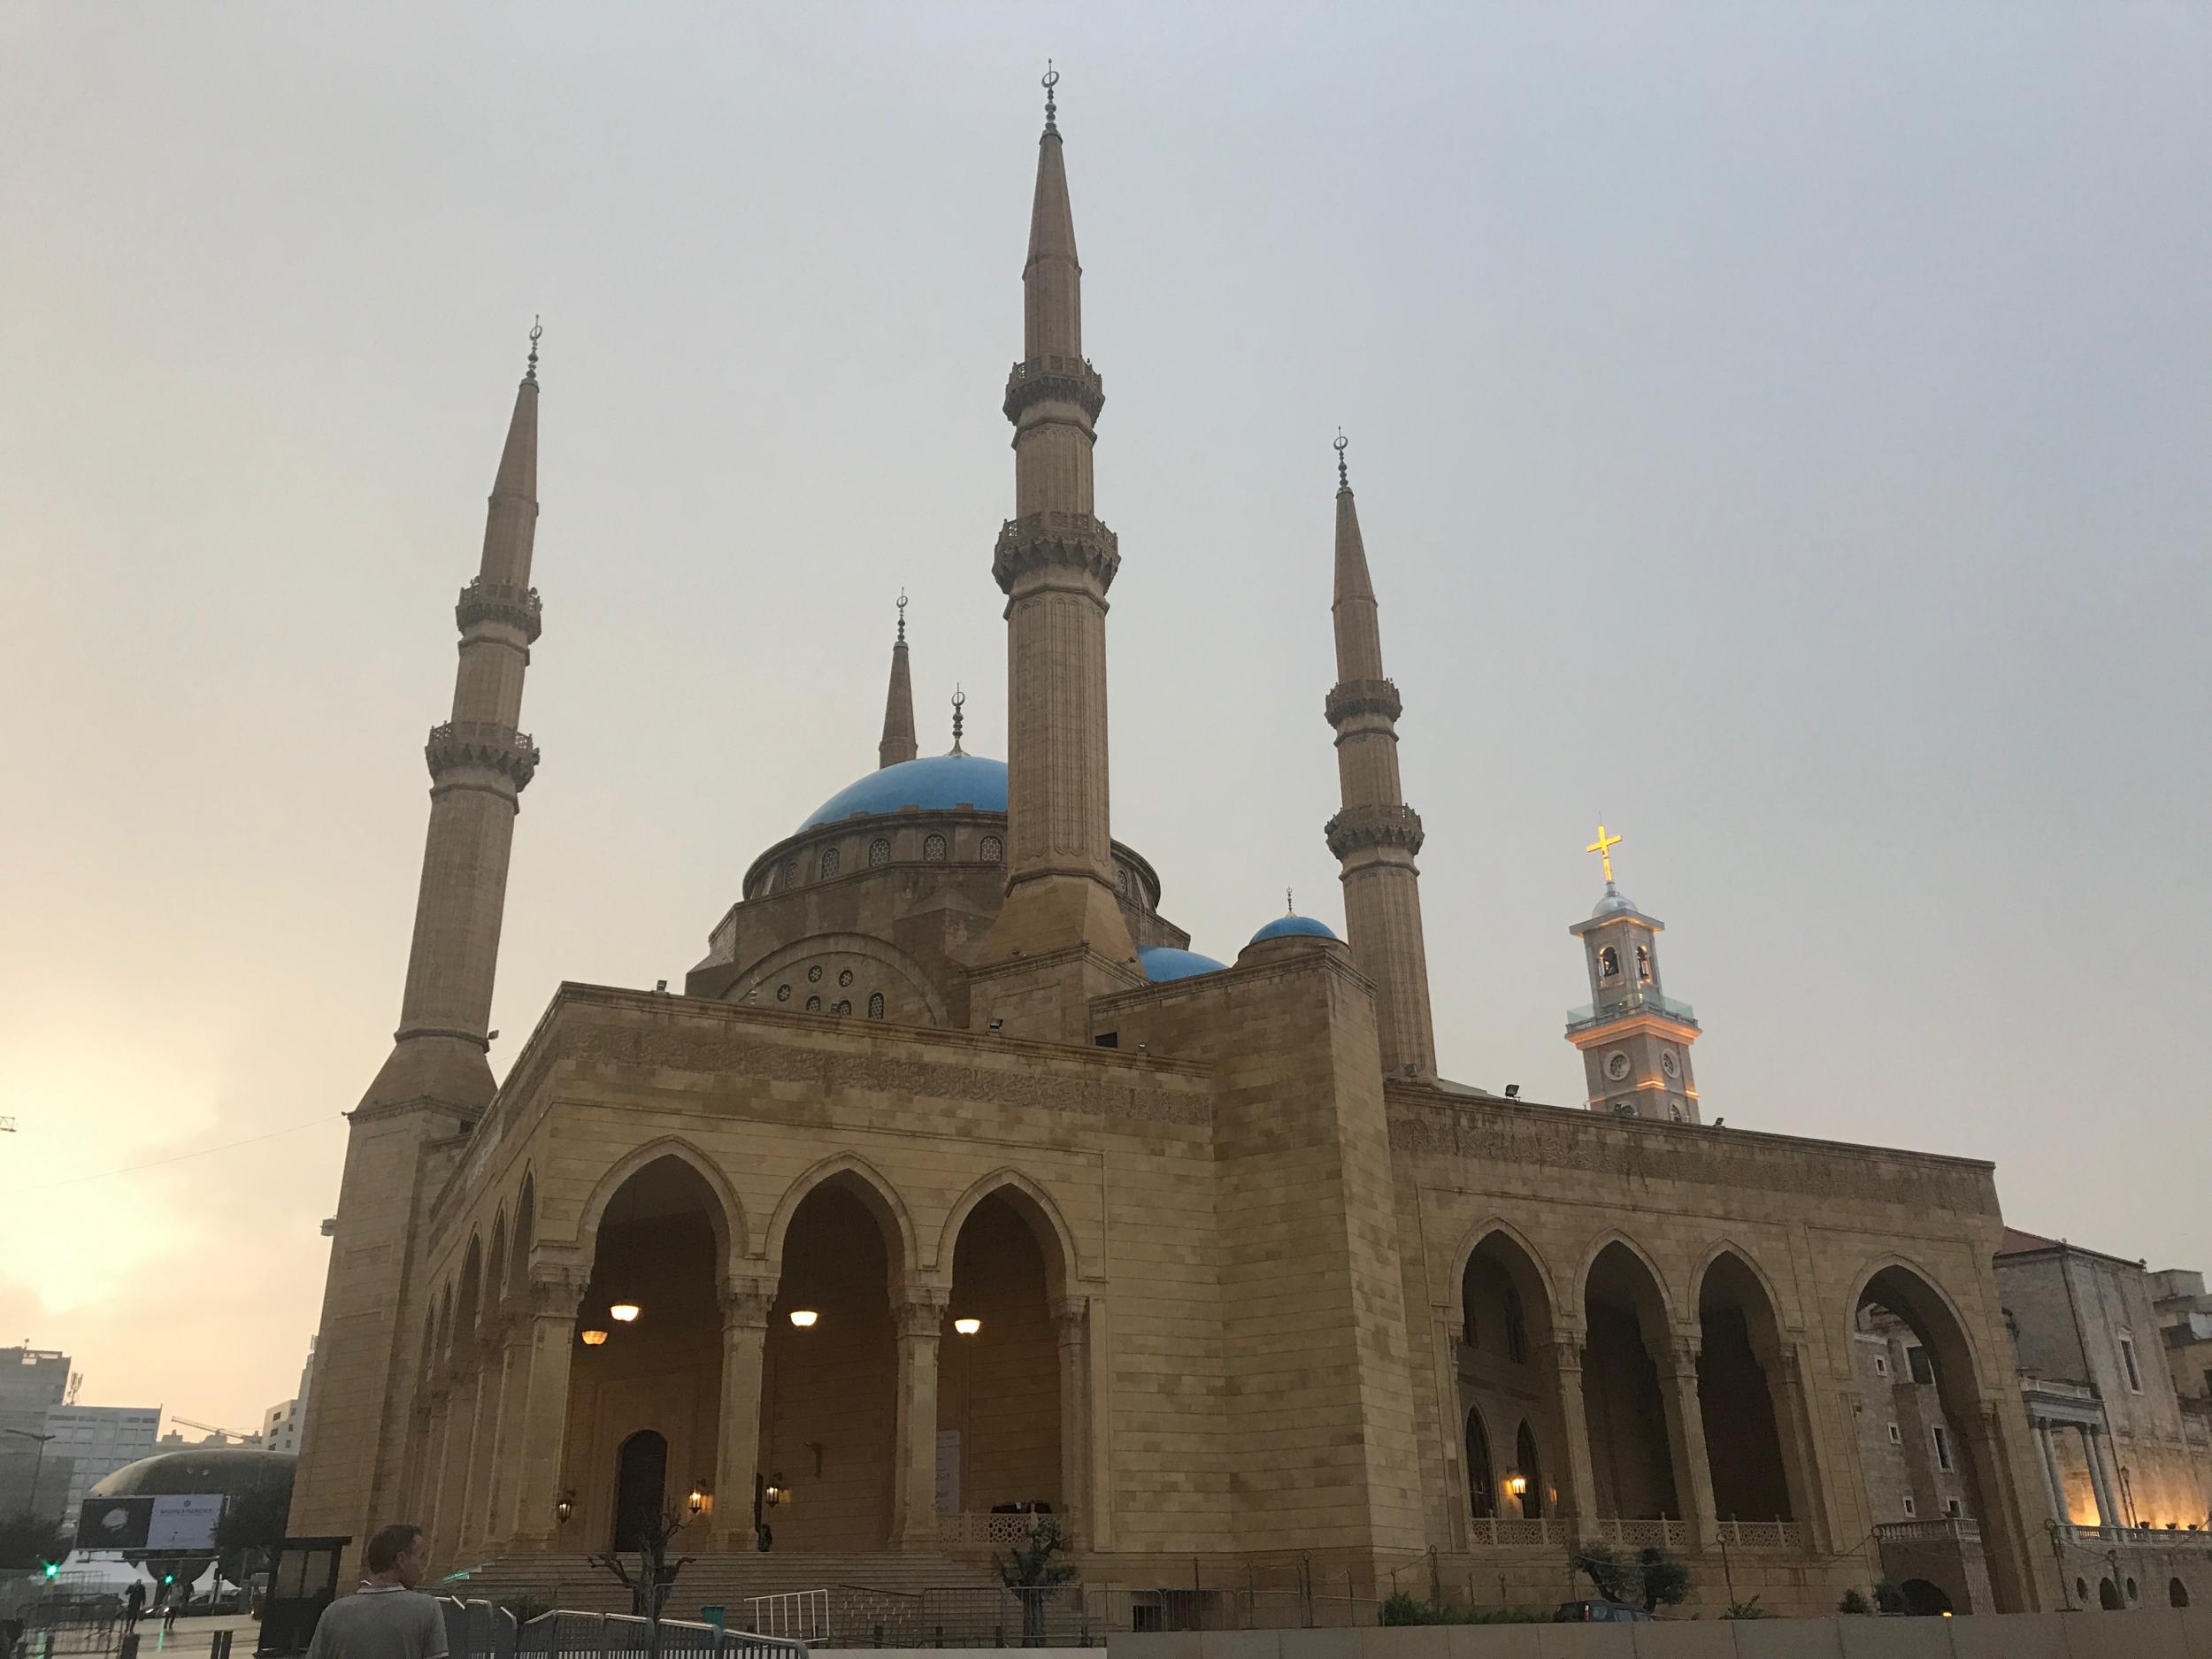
x=210, y=1428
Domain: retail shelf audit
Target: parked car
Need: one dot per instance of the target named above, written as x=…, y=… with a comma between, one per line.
x=1596, y=1612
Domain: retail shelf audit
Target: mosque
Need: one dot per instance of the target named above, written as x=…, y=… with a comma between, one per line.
x=955, y=1185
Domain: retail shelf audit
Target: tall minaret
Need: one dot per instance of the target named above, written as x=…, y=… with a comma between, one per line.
x=438, y=1079
x=1376, y=834
x=898, y=706
x=1055, y=562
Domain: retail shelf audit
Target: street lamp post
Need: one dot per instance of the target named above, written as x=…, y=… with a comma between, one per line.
x=38, y=1466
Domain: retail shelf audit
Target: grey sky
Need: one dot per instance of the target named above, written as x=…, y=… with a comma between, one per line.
x=1780, y=429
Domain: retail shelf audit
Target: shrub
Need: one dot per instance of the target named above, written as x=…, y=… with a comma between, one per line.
x=1854, y=1602
x=1666, y=1580
x=1401, y=1608
x=1745, y=1609
x=525, y=1606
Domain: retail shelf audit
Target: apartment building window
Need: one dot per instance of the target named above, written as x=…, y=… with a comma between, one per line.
x=1942, y=1446
x=1911, y=1508
x=1923, y=1368
x=1953, y=1507
x=2127, y=1360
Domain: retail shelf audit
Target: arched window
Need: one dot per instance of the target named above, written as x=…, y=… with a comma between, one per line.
x=875, y=1006
x=1528, y=1469
x=813, y=1004
x=2177, y=1592
x=1482, y=1485
x=878, y=853
x=843, y=1007
x=829, y=863
x=993, y=850
x=1121, y=882
x=1608, y=963
x=2107, y=1595
x=933, y=849
x=1643, y=964
x=1515, y=1328
x=791, y=873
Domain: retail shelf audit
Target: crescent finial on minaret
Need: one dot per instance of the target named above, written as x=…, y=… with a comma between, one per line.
x=901, y=616
x=537, y=333
x=1052, y=109
x=1343, y=474
x=959, y=701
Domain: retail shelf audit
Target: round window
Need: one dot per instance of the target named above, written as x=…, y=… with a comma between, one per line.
x=846, y=977
x=783, y=994
x=814, y=975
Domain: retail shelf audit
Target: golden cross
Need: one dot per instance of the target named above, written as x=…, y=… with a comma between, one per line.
x=1603, y=847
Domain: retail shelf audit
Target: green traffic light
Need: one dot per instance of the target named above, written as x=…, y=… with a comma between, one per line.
x=53, y=1569
x=168, y=1577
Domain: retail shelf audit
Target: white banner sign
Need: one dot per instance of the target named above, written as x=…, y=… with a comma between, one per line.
x=184, y=1523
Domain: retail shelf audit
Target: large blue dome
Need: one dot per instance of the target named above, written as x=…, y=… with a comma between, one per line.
x=1164, y=962
x=935, y=784
x=1285, y=926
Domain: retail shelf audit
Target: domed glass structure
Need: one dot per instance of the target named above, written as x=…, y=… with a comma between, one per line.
x=1286, y=926
x=936, y=783
x=1164, y=962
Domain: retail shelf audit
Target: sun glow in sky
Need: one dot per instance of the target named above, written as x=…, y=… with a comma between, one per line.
x=1779, y=434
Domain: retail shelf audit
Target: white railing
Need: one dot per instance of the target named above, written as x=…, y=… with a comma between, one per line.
x=1964, y=1529
x=794, y=1616
x=1762, y=1534
x=2142, y=1537
x=1638, y=1534
x=1492, y=1532
x=970, y=1529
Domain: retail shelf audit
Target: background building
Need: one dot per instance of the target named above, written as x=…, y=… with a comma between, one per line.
x=98, y=1440
x=280, y=1422
x=35, y=1472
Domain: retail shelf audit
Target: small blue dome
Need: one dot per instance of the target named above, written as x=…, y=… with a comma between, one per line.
x=1286, y=927
x=1164, y=962
x=934, y=784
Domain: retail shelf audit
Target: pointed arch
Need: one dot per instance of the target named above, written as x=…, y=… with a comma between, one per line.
x=1749, y=1261
x=1482, y=1479
x=869, y=1184
x=1666, y=1301
x=1917, y=1294
x=1538, y=1271
x=468, y=1306
x=1036, y=1206
x=496, y=1264
x=728, y=1215
x=1528, y=1465
x=524, y=1236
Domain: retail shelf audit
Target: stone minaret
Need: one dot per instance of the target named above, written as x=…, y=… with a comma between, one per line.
x=1055, y=562
x=1376, y=834
x=898, y=743
x=439, y=1078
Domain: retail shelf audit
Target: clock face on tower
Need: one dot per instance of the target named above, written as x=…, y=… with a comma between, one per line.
x=1668, y=1062
x=1616, y=1065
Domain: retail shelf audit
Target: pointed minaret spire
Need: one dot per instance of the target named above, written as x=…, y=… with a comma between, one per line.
x=898, y=743
x=1376, y=834
x=479, y=764
x=1055, y=562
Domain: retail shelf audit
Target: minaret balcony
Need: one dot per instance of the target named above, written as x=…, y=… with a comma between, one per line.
x=510, y=602
x=1054, y=379
x=1055, y=540
x=484, y=744
x=1636, y=1003
x=1350, y=698
x=1364, y=828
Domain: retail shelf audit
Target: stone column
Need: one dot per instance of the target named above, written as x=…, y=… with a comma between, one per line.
x=1072, y=1319
x=2092, y=1445
x=746, y=1303
x=497, y=1508
x=1578, y=1483
x=1784, y=1364
x=541, y=1446
x=919, y=1319
x=1686, y=1441
x=460, y=1446
x=2053, y=1483
x=491, y=1395
x=429, y=1457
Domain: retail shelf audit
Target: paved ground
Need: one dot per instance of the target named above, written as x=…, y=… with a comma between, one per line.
x=196, y=1635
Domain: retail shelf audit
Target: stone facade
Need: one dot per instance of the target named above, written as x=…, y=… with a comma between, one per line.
x=928, y=1196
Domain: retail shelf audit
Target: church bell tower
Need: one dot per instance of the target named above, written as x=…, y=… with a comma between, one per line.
x=1635, y=1040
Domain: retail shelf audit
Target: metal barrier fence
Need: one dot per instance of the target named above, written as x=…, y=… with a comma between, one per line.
x=1076, y=1615
x=47, y=1624
x=478, y=1629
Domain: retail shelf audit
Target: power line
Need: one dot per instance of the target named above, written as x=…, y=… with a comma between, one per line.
x=132, y=1169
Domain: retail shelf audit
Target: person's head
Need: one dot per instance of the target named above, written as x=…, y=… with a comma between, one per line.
x=399, y=1553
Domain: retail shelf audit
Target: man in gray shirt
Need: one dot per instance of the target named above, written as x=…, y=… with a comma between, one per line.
x=387, y=1619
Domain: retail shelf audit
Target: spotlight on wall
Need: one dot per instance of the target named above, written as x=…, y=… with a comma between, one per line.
x=804, y=1318
x=967, y=1327
x=624, y=1313
x=593, y=1338
x=1513, y=1091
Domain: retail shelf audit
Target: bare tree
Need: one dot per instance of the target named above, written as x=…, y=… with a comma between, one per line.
x=655, y=1574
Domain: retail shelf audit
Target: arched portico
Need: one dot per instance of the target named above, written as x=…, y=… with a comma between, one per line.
x=1507, y=1366
x=1647, y=1433
x=1975, y=1419
x=1750, y=1397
